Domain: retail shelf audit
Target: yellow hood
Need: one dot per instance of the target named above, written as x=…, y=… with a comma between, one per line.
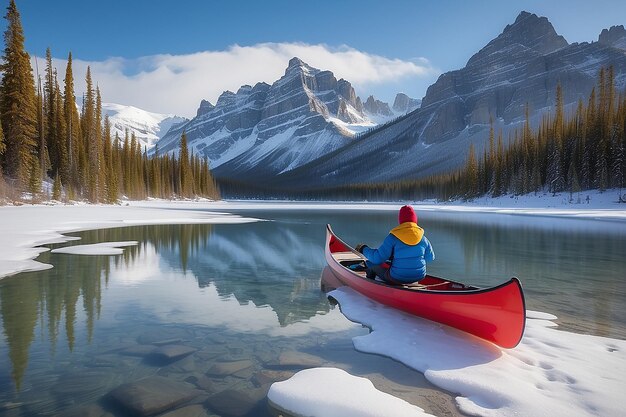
x=409, y=233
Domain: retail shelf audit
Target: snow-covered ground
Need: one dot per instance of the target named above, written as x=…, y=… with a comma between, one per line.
x=551, y=372
x=24, y=228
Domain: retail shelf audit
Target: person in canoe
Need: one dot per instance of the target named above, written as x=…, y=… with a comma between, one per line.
x=406, y=248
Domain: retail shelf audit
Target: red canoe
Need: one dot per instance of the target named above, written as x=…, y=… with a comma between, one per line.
x=496, y=314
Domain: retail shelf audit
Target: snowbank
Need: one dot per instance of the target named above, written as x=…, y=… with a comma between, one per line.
x=551, y=372
x=332, y=392
x=24, y=228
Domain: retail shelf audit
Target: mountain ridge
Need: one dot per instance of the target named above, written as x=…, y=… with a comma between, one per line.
x=303, y=115
x=457, y=108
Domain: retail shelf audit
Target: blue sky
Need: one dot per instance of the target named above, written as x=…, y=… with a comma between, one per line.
x=436, y=36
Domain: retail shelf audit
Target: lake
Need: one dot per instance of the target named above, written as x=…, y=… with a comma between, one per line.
x=220, y=312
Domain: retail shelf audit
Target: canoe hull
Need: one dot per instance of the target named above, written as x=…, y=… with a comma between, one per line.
x=496, y=314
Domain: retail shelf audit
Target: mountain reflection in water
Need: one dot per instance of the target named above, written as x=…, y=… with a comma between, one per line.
x=265, y=264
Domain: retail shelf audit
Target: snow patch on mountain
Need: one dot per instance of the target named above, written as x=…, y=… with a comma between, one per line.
x=148, y=127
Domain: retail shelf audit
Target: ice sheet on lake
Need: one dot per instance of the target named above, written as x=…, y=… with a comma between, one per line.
x=25, y=228
x=551, y=372
x=103, y=248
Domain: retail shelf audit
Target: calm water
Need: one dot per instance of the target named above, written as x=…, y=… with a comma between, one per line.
x=237, y=307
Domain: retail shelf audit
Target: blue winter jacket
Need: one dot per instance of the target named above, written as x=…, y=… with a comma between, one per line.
x=410, y=250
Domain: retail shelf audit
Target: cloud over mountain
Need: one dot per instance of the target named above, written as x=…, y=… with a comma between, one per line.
x=177, y=83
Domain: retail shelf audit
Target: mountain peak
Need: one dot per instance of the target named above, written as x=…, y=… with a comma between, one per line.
x=205, y=107
x=535, y=32
x=529, y=32
x=296, y=65
x=295, y=62
x=615, y=36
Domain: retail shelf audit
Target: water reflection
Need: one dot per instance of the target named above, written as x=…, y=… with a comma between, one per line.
x=253, y=291
x=265, y=266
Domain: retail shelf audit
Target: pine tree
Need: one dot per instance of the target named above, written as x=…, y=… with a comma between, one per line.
x=491, y=158
x=185, y=168
x=126, y=165
x=2, y=145
x=99, y=151
x=498, y=182
x=111, y=180
x=42, y=140
x=471, y=170
x=17, y=102
x=49, y=113
x=60, y=163
x=90, y=139
x=34, y=179
x=56, y=188
x=72, y=130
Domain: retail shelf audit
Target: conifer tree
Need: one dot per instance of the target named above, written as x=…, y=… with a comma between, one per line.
x=17, y=102
x=111, y=180
x=72, y=130
x=99, y=155
x=185, y=168
x=472, y=173
x=60, y=163
x=2, y=145
x=499, y=168
x=42, y=140
x=56, y=188
x=49, y=112
x=126, y=164
x=90, y=139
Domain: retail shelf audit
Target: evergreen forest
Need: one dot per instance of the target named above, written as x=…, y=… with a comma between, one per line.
x=51, y=149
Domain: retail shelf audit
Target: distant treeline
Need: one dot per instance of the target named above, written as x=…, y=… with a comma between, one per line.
x=44, y=138
x=581, y=152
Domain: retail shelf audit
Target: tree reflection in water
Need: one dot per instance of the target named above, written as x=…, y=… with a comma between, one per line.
x=265, y=263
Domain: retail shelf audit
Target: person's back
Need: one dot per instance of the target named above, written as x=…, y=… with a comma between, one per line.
x=406, y=247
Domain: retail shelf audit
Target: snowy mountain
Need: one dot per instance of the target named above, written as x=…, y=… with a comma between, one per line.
x=305, y=114
x=147, y=127
x=380, y=112
x=521, y=66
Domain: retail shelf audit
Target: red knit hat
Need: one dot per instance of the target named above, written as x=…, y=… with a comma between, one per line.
x=407, y=214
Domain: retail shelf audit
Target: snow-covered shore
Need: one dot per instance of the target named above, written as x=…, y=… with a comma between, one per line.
x=23, y=229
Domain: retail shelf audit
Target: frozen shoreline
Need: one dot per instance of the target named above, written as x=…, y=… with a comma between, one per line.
x=24, y=228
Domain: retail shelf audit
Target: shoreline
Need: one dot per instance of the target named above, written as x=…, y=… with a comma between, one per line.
x=26, y=228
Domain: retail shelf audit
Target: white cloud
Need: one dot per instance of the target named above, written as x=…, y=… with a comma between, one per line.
x=176, y=83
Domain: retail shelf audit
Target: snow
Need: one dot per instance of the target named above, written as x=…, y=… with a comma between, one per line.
x=148, y=127
x=332, y=392
x=104, y=248
x=25, y=228
x=551, y=372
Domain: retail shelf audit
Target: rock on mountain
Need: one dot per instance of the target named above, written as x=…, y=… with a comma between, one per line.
x=375, y=107
x=147, y=127
x=521, y=66
x=614, y=37
x=404, y=104
x=379, y=112
x=268, y=129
